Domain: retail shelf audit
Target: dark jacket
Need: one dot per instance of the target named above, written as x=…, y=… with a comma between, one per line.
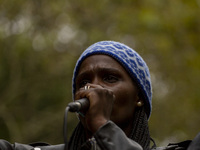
x=108, y=137
x=185, y=145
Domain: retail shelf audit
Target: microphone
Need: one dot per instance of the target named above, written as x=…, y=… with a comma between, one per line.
x=79, y=105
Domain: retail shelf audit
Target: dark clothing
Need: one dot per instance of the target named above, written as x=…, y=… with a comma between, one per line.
x=175, y=146
x=108, y=137
x=185, y=145
x=195, y=145
x=4, y=145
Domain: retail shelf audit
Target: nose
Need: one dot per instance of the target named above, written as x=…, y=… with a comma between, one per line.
x=97, y=81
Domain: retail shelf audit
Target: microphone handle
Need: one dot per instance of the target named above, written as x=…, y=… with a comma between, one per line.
x=79, y=105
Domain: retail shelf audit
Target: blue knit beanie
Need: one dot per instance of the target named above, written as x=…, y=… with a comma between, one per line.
x=129, y=59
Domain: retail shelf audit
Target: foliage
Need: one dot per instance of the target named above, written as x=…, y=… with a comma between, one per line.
x=41, y=40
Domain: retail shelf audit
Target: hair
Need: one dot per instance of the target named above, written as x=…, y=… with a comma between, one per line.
x=140, y=130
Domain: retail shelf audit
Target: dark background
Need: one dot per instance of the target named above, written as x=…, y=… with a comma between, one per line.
x=40, y=41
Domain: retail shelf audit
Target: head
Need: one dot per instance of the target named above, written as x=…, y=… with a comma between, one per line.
x=129, y=65
x=129, y=60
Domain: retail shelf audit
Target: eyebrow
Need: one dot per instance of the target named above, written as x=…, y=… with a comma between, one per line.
x=113, y=70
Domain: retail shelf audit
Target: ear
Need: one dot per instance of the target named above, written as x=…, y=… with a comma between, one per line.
x=140, y=101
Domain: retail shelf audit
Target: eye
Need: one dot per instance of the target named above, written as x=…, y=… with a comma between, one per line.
x=110, y=78
x=83, y=83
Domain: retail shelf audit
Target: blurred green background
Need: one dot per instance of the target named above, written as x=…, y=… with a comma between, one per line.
x=40, y=41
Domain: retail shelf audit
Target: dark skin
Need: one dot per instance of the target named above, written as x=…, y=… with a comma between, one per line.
x=112, y=94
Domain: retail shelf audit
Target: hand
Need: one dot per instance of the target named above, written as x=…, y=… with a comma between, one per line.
x=101, y=103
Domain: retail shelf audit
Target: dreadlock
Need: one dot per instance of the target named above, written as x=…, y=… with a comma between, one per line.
x=77, y=138
x=140, y=130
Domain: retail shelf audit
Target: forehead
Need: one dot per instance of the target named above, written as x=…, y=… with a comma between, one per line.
x=100, y=61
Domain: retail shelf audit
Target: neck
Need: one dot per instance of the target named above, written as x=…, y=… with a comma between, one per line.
x=88, y=134
x=126, y=127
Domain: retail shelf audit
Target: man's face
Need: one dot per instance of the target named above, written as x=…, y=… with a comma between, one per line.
x=106, y=72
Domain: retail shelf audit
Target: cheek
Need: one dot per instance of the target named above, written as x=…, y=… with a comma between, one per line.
x=126, y=96
x=125, y=101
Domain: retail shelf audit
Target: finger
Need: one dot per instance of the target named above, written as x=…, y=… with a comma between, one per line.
x=90, y=85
